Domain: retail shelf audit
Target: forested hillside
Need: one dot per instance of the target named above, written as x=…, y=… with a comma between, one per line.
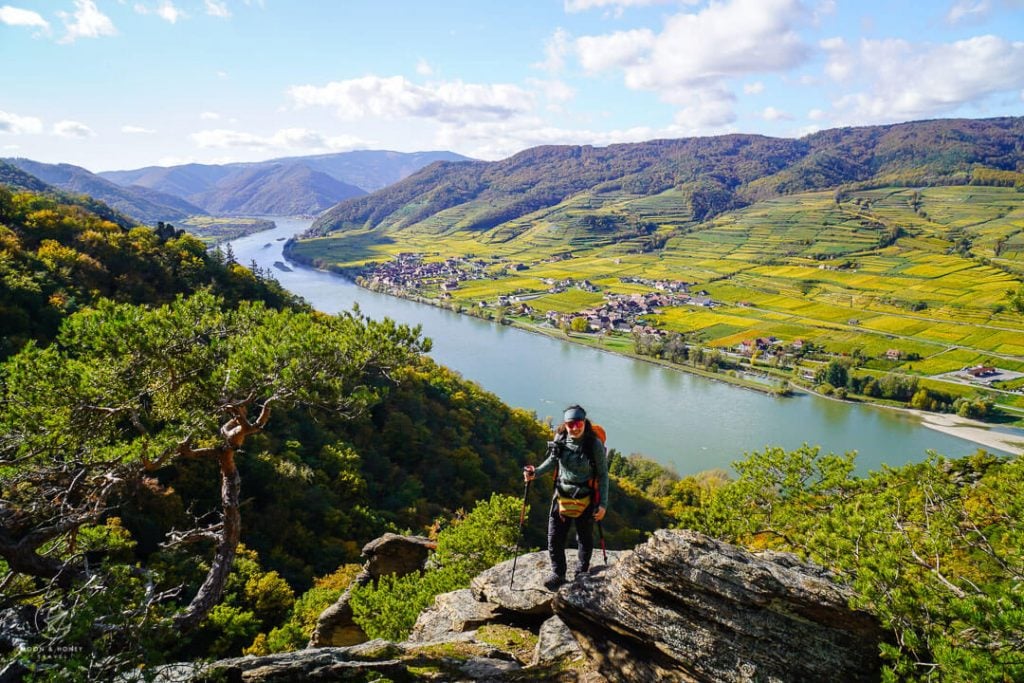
x=280, y=187
x=185, y=447
x=275, y=190
x=58, y=258
x=714, y=174
x=16, y=179
x=143, y=204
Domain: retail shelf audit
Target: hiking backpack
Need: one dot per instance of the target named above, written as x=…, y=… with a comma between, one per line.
x=573, y=506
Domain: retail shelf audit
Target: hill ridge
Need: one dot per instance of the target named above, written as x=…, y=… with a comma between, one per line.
x=329, y=178
x=718, y=172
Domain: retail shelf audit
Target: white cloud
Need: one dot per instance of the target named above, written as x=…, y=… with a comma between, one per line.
x=423, y=68
x=15, y=16
x=86, y=22
x=773, y=114
x=755, y=88
x=702, y=109
x=823, y=9
x=696, y=53
x=584, y=5
x=553, y=90
x=209, y=116
x=500, y=139
x=723, y=41
x=396, y=97
x=137, y=130
x=968, y=10
x=217, y=9
x=624, y=49
x=19, y=125
x=841, y=64
x=284, y=139
x=72, y=129
x=556, y=48
x=912, y=81
x=168, y=12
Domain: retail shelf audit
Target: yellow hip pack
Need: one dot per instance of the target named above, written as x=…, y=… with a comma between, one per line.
x=572, y=507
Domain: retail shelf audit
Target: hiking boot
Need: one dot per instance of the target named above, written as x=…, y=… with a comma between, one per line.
x=552, y=581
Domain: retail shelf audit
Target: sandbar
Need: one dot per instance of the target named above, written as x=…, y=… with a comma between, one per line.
x=972, y=430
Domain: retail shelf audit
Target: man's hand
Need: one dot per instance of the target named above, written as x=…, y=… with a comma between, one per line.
x=528, y=473
x=599, y=514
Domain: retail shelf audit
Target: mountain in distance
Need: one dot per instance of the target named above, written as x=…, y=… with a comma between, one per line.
x=372, y=170
x=143, y=204
x=182, y=181
x=275, y=190
x=703, y=177
x=14, y=178
x=234, y=188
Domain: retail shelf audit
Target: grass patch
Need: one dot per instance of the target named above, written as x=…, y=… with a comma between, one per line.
x=912, y=269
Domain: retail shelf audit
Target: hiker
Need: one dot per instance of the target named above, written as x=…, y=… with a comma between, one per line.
x=581, y=490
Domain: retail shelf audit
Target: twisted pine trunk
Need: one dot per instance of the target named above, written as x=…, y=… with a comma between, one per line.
x=213, y=587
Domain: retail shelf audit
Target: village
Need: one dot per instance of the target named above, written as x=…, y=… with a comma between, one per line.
x=409, y=272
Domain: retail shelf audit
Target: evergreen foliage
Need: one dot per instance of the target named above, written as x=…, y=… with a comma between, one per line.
x=125, y=390
x=142, y=204
x=716, y=173
x=471, y=543
x=57, y=258
x=935, y=549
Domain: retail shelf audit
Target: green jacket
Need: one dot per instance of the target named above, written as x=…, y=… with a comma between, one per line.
x=574, y=471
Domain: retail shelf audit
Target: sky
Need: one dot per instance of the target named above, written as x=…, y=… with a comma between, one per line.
x=122, y=84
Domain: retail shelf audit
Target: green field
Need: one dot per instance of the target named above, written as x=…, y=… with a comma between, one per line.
x=921, y=271
x=212, y=230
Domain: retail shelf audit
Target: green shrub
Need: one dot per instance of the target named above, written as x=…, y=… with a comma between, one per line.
x=472, y=543
x=935, y=550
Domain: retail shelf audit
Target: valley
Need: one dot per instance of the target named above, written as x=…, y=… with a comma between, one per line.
x=912, y=281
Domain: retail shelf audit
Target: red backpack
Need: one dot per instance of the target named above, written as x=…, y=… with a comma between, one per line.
x=599, y=433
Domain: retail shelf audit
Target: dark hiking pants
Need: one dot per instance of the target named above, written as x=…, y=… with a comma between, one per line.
x=558, y=532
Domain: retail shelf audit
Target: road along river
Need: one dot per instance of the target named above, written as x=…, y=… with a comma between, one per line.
x=681, y=420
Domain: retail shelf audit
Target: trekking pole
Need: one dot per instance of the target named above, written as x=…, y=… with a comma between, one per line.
x=519, y=536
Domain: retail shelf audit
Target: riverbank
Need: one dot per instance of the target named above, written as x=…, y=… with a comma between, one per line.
x=974, y=431
x=971, y=430
x=676, y=418
x=582, y=340
x=723, y=377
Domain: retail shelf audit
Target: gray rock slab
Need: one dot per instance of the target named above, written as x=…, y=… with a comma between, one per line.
x=455, y=612
x=684, y=607
x=527, y=594
x=555, y=643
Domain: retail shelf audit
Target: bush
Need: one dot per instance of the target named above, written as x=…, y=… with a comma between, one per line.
x=294, y=633
x=934, y=550
x=472, y=543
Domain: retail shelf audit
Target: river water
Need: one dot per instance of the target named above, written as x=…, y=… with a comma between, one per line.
x=681, y=420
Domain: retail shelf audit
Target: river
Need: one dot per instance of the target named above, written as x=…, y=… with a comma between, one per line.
x=681, y=420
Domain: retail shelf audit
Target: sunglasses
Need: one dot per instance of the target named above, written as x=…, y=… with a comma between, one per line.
x=574, y=424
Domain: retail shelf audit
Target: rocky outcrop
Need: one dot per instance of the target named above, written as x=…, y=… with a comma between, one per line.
x=455, y=612
x=681, y=607
x=684, y=607
x=389, y=554
x=525, y=593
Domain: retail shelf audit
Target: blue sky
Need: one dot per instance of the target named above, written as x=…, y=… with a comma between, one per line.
x=117, y=84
